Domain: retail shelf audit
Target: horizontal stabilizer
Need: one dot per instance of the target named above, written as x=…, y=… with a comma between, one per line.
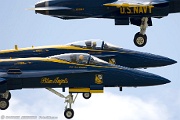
x=50, y=8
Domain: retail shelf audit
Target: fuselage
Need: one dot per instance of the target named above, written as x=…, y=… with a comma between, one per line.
x=119, y=56
x=53, y=73
x=78, y=9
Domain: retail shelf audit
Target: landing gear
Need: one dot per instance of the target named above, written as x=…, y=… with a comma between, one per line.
x=4, y=100
x=140, y=38
x=86, y=95
x=4, y=104
x=68, y=113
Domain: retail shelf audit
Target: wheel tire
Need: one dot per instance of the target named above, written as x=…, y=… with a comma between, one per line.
x=4, y=104
x=9, y=96
x=69, y=113
x=140, y=40
x=86, y=95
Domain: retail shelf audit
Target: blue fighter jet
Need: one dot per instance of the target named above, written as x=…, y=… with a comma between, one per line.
x=79, y=72
x=101, y=49
x=136, y=12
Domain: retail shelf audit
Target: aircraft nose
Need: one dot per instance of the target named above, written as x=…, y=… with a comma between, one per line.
x=169, y=61
x=158, y=80
x=151, y=60
x=141, y=78
x=157, y=60
x=150, y=79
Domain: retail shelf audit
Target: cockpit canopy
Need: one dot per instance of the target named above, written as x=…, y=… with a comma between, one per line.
x=80, y=58
x=94, y=44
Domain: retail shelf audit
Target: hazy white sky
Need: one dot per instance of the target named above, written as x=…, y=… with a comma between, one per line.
x=25, y=28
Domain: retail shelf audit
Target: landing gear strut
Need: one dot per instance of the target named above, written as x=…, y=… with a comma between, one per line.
x=4, y=100
x=140, y=38
x=68, y=113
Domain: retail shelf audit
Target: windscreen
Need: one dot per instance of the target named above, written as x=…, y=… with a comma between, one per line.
x=79, y=58
x=94, y=44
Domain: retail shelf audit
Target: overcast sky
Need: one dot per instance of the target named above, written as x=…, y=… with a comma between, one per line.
x=25, y=28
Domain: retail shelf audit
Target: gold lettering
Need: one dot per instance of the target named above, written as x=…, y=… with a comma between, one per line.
x=128, y=10
x=145, y=9
x=136, y=10
x=58, y=81
x=122, y=10
x=150, y=8
x=140, y=10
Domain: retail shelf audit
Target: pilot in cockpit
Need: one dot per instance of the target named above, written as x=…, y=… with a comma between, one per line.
x=94, y=45
x=88, y=44
x=81, y=58
x=73, y=58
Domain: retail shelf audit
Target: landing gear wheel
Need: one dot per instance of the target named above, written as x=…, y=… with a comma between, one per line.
x=140, y=40
x=9, y=96
x=69, y=113
x=4, y=104
x=86, y=95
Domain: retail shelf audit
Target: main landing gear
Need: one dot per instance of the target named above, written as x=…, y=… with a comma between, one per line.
x=4, y=100
x=140, y=38
x=69, y=112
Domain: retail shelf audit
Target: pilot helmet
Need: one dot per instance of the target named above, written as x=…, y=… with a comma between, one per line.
x=81, y=57
x=88, y=44
x=94, y=44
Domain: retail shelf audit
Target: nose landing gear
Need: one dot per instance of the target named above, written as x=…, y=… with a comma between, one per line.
x=140, y=38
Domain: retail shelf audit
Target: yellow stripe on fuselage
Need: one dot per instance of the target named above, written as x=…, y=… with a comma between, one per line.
x=42, y=47
x=53, y=60
x=67, y=47
x=83, y=90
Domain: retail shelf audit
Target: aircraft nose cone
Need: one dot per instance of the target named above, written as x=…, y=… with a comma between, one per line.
x=160, y=80
x=162, y=61
x=168, y=61
x=152, y=60
x=141, y=78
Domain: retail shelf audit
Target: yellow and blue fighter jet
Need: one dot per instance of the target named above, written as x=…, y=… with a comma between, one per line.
x=79, y=72
x=136, y=12
x=98, y=48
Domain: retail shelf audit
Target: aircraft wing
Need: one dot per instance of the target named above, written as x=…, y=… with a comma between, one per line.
x=133, y=3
